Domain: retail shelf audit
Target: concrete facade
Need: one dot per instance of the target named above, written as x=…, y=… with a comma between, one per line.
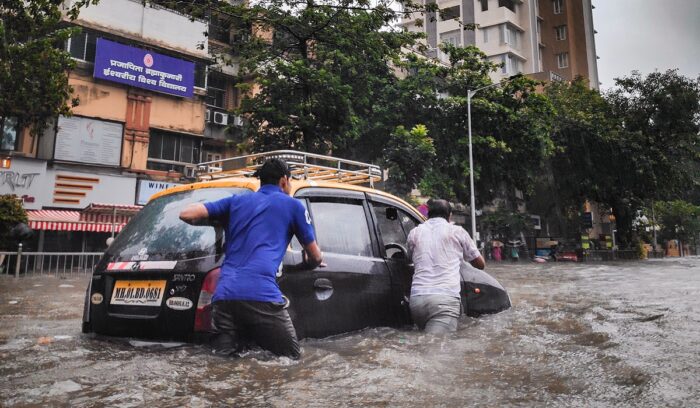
x=520, y=34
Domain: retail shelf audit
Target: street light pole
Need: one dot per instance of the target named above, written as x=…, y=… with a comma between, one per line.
x=472, y=205
x=471, y=93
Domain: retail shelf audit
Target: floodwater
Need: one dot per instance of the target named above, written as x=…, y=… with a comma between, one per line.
x=581, y=335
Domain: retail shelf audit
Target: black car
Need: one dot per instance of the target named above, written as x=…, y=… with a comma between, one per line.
x=157, y=278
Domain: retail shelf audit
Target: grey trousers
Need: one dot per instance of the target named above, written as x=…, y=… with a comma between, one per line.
x=240, y=322
x=436, y=313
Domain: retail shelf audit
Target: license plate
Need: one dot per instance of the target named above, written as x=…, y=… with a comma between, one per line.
x=138, y=292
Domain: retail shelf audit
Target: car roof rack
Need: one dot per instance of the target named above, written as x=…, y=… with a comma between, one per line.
x=308, y=166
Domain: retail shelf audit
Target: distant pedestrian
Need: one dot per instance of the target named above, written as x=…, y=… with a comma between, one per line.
x=437, y=249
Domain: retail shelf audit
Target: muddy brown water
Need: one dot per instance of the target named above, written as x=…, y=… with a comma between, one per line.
x=582, y=335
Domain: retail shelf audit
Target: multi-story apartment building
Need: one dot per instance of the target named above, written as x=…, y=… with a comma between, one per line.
x=551, y=39
x=153, y=101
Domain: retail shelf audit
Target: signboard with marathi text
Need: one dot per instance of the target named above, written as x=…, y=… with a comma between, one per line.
x=143, y=69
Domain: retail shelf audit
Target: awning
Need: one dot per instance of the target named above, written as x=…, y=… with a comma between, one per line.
x=109, y=213
x=60, y=220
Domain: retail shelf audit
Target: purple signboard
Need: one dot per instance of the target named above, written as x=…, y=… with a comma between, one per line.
x=143, y=69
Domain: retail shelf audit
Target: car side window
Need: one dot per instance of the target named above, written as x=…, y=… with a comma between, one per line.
x=389, y=223
x=407, y=222
x=295, y=244
x=341, y=226
x=394, y=225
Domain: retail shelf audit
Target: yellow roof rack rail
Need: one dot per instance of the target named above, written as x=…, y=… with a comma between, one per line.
x=303, y=165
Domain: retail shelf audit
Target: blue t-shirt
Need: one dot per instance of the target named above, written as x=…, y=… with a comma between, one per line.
x=259, y=227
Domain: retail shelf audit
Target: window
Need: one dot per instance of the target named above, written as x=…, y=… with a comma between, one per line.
x=451, y=37
x=484, y=5
x=341, y=227
x=449, y=13
x=219, y=29
x=510, y=35
x=486, y=34
x=557, y=5
x=509, y=4
x=511, y=64
x=216, y=90
x=394, y=225
x=560, y=32
x=8, y=136
x=200, y=75
x=170, y=151
x=82, y=46
x=563, y=60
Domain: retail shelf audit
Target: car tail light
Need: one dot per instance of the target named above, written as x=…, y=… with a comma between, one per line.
x=202, y=319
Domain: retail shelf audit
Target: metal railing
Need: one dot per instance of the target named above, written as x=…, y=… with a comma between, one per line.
x=48, y=263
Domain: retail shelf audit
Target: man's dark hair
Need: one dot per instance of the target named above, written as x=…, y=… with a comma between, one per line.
x=439, y=208
x=271, y=171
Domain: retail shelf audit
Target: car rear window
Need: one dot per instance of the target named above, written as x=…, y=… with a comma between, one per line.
x=157, y=233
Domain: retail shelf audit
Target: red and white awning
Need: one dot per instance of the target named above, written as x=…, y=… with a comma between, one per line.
x=61, y=220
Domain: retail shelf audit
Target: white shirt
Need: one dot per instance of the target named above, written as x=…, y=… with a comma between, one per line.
x=437, y=249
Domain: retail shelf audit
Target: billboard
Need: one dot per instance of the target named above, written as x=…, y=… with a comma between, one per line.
x=143, y=69
x=87, y=140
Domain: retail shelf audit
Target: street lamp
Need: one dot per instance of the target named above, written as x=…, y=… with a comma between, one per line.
x=471, y=93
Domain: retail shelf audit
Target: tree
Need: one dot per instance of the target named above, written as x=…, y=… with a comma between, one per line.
x=11, y=214
x=657, y=140
x=320, y=69
x=679, y=220
x=33, y=63
x=511, y=128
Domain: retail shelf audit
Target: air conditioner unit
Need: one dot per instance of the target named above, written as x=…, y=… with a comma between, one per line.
x=220, y=118
x=207, y=116
x=190, y=172
x=238, y=120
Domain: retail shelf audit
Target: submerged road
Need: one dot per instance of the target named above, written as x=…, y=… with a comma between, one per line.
x=581, y=335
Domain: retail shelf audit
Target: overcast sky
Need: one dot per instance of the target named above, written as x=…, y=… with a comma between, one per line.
x=646, y=35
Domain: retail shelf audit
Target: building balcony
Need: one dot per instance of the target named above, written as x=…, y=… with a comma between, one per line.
x=150, y=24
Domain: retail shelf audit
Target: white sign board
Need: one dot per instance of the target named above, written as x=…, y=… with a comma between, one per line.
x=88, y=141
x=149, y=187
x=26, y=178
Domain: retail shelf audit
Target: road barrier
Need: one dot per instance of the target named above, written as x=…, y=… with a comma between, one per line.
x=48, y=263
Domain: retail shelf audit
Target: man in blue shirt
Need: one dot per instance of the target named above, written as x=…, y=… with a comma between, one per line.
x=247, y=303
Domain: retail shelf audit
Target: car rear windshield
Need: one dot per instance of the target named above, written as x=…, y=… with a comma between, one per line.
x=157, y=233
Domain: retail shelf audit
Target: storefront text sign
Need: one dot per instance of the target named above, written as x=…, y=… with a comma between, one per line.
x=143, y=69
x=149, y=187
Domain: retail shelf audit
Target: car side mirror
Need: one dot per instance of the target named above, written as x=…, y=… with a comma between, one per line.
x=392, y=213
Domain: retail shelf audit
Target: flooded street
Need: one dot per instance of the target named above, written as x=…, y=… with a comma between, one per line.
x=588, y=335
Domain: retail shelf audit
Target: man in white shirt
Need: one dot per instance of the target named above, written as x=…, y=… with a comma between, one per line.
x=437, y=249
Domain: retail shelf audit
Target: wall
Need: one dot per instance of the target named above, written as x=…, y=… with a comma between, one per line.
x=40, y=186
x=153, y=25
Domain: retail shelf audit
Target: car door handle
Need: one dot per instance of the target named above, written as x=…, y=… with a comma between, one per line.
x=323, y=283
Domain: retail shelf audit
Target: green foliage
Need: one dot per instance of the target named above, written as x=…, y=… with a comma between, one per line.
x=505, y=223
x=33, y=65
x=408, y=155
x=638, y=142
x=11, y=213
x=510, y=126
x=679, y=220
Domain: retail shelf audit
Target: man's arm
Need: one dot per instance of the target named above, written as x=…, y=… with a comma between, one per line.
x=478, y=262
x=471, y=253
x=195, y=214
x=312, y=255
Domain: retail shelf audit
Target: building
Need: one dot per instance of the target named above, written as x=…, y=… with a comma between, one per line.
x=153, y=102
x=551, y=39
